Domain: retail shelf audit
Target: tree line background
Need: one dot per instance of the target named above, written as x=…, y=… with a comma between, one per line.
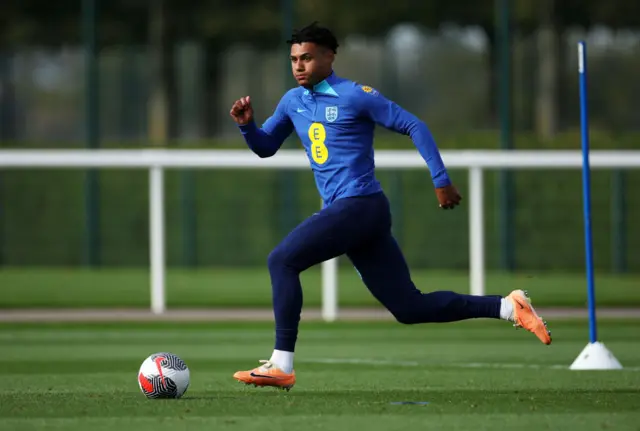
x=168, y=68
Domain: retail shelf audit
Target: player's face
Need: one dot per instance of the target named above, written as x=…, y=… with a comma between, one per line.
x=310, y=63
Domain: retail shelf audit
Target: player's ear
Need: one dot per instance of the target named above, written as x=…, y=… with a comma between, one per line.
x=328, y=54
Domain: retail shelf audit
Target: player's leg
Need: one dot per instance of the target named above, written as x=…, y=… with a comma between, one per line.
x=325, y=235
x=384, y=271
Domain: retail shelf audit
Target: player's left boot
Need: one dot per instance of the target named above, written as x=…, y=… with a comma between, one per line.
x=524, y=316
x=267, y=375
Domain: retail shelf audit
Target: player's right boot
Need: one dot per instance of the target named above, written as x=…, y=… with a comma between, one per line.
x=524, y=316
x=267, y=375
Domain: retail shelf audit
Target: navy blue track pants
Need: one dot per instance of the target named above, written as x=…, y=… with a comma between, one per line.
x=360, y=227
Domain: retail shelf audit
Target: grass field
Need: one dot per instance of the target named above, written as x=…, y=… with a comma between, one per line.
x=479, y=375
x=251, y=287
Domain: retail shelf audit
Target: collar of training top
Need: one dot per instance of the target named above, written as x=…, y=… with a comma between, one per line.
x=325, y=86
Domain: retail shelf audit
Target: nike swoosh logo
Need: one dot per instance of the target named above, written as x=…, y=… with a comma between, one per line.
x=158, y=362
x=300, y=110
x=261, y=375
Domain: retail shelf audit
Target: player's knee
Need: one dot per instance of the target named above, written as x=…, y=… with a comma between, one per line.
x=276, y=258
x=279, y=258
x=406, y=318
x=407, y=314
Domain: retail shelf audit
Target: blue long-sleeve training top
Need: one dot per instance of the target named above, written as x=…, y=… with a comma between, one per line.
x=335, y=122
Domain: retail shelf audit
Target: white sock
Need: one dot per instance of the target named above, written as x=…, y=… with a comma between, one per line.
x=506, y=310
x=282, y=360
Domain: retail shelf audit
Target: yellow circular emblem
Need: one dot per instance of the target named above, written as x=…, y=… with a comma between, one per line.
x=317, y=136
x=367, y=89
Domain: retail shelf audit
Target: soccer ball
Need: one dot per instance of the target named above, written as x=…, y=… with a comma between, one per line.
x=163, y=375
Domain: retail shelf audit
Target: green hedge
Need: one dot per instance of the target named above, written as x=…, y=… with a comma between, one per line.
x=241, y=214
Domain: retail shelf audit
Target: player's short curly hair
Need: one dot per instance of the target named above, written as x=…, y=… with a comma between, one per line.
x=313, y=33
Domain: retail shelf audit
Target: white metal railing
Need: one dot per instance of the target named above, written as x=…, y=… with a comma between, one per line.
x=157, y=160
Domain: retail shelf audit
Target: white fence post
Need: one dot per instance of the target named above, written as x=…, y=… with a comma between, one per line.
x=330, y=290
x=329, y=280
x=476, y=231
x=156, y=237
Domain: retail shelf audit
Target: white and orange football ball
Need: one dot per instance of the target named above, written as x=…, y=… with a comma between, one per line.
x=163, y=375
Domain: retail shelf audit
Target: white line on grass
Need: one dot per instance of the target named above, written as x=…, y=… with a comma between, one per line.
x=360, y=361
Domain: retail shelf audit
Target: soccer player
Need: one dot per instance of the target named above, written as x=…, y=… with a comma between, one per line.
x=335, y=119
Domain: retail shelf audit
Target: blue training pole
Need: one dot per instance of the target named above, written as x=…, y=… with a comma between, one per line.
x=586, y=188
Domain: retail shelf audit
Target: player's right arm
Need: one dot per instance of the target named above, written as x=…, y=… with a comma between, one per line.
x=264, y=141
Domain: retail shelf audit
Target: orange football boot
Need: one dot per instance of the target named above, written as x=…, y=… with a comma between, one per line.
x=524, y=316
x=267, y=375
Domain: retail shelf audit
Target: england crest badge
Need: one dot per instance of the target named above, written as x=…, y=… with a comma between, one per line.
x=331, y=113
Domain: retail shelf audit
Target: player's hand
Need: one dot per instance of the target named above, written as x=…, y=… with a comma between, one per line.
x=448, y=197
x=242, y=111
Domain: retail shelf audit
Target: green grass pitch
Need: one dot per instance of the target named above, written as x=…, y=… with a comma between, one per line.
x=250, y=287
x=475, y=375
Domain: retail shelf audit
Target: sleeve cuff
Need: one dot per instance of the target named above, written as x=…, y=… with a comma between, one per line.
x=248, y=128
x=441, y=179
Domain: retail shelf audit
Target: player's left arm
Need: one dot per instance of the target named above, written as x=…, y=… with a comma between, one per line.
x=393, y=117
